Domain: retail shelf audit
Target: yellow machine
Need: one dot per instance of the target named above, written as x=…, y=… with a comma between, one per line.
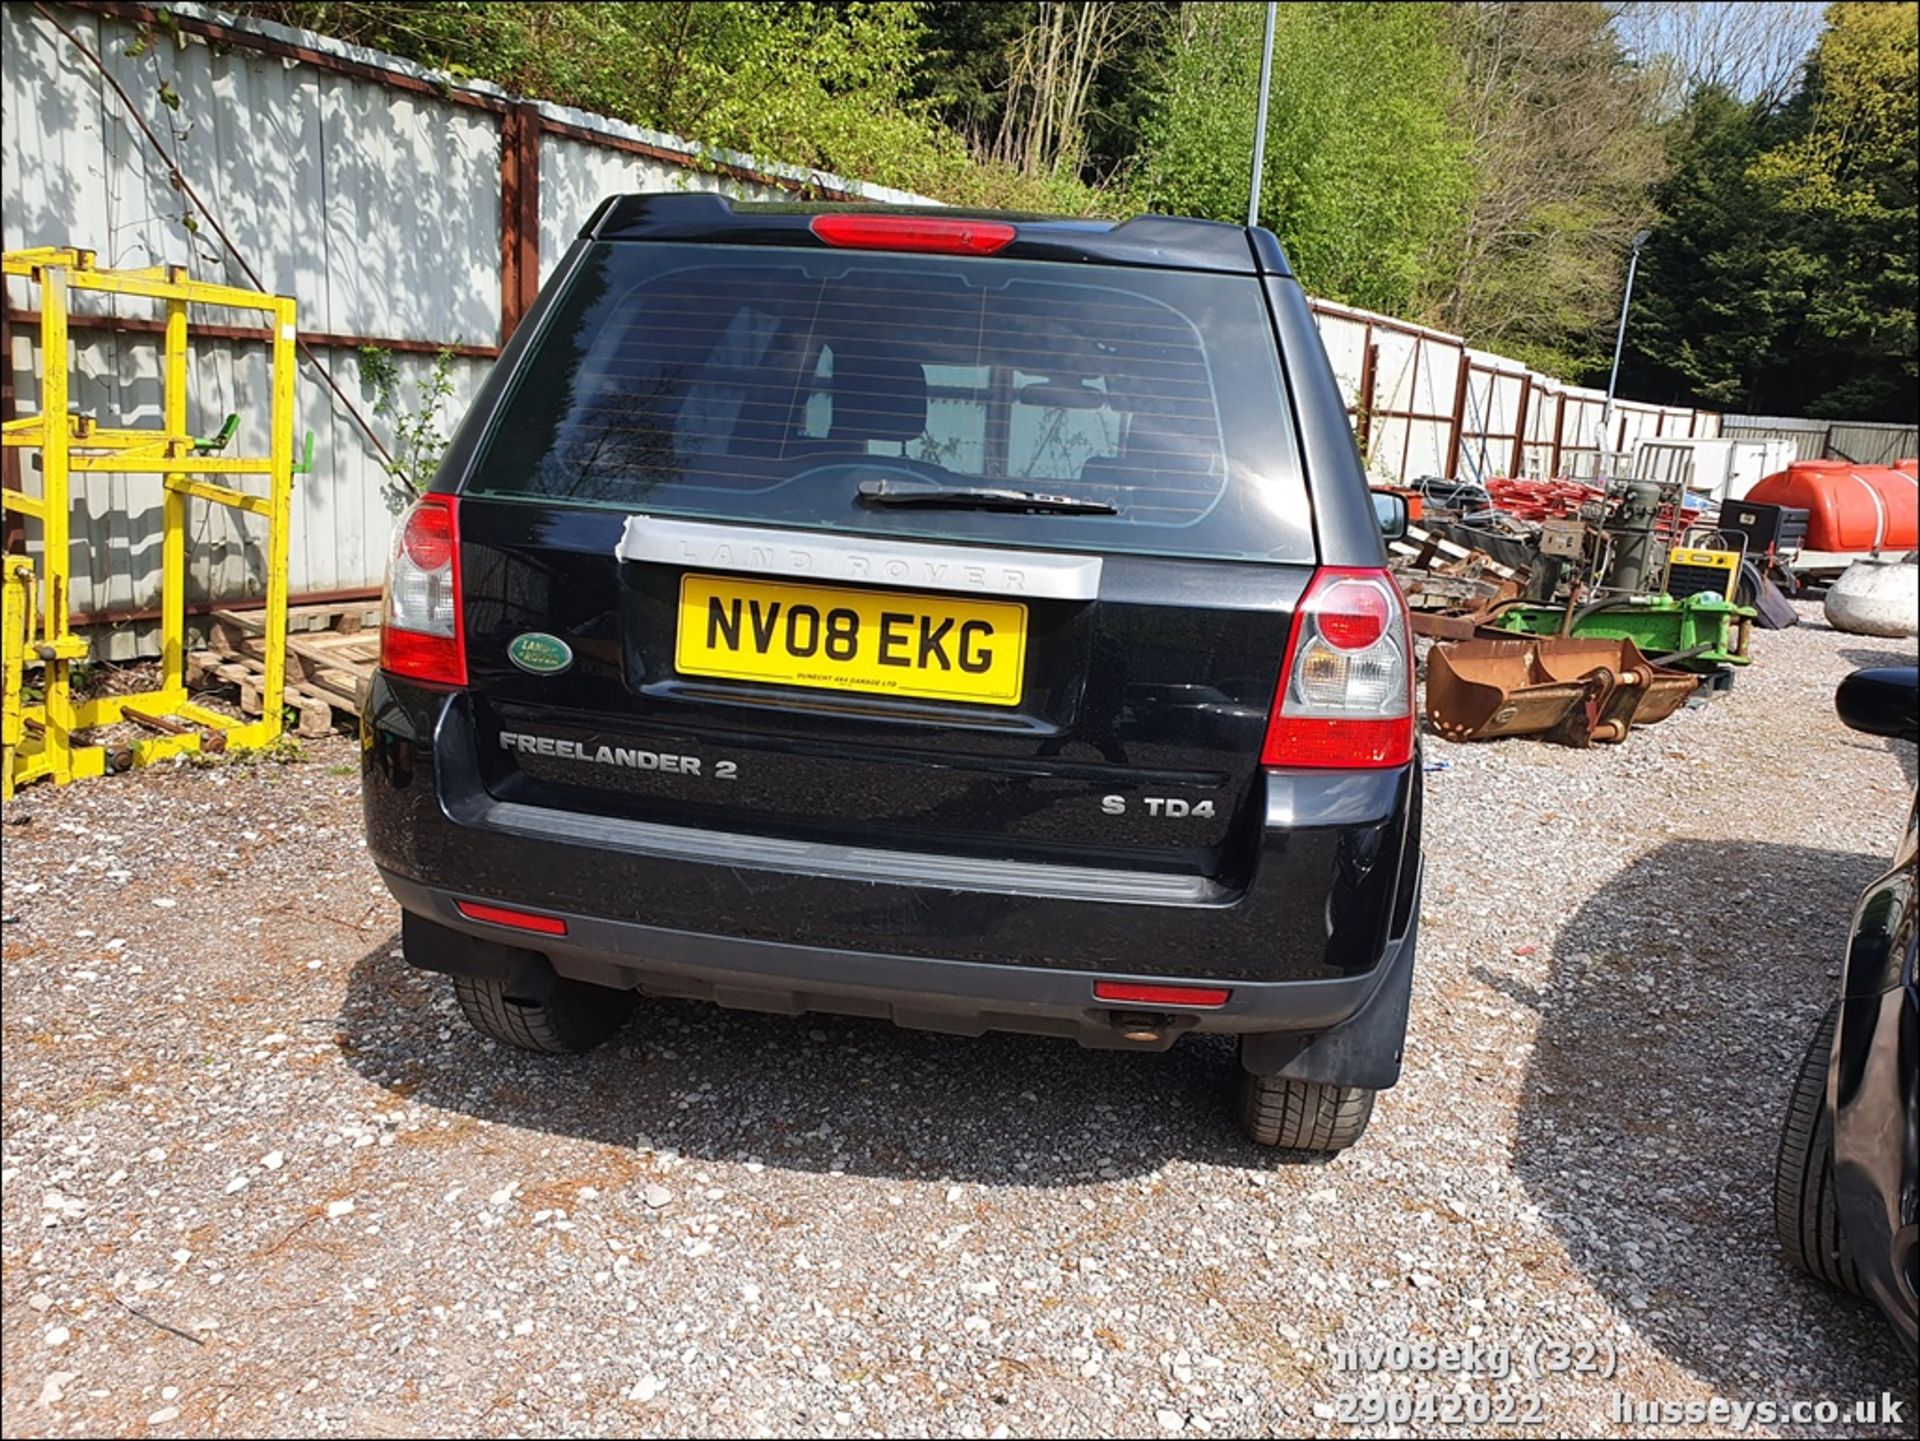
x=1693, y=570
x=38, y=641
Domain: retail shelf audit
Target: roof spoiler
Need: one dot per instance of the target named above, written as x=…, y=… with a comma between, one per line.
x=1161, y=241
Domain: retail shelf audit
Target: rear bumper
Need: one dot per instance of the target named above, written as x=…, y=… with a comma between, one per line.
x=1318, y=939
x=1348, y=1031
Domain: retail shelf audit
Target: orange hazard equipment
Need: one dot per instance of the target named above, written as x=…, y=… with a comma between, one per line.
x=1849, y=507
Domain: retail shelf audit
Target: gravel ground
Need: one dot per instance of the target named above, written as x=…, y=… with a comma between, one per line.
x=259, y=1178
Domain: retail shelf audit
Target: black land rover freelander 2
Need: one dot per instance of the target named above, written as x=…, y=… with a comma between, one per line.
x=975, y=620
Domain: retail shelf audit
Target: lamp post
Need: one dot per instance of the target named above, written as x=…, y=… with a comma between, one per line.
x=1619, y=344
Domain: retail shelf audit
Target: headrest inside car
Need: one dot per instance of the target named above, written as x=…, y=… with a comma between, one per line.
x=878, y=395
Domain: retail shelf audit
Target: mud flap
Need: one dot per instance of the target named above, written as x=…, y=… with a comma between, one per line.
x=430, y=946
x=1365, y=1050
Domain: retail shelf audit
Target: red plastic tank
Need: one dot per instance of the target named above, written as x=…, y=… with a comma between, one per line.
x=1849, y=507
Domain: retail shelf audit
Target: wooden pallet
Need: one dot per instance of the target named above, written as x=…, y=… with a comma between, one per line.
x=332, y=652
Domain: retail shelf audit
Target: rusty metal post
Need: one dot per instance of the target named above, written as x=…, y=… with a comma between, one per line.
x=1363, y=402
x=519, y=215
x=1457, y=424
x=1520, y=427
x=1413, y=394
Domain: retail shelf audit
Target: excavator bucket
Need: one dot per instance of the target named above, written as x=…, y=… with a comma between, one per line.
x=1572, y=691
x=1481, y=689
x=1642, y=692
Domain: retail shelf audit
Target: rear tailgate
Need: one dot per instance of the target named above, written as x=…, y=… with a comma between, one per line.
x=1134, y=740
x=672, y=491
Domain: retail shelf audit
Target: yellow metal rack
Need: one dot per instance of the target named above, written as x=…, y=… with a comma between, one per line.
x=39, y=736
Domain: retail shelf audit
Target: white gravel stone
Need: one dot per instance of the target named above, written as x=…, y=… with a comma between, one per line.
x=54, y=1388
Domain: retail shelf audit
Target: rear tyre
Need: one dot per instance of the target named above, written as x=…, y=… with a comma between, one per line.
x=1302, y=1115
x=572, y=1017
x=1806, y=1211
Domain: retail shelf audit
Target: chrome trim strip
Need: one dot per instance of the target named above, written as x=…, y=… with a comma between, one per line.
x=859, y=560
x=858, y=863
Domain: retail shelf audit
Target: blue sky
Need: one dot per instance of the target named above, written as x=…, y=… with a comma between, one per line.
x=1758, y=45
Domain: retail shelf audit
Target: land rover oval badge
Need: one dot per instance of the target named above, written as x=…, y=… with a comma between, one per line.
x=540, y=653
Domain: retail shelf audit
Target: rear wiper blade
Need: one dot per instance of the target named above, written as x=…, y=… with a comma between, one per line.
x=886, y=492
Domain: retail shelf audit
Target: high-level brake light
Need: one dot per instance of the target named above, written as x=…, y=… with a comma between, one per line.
x=938, y=234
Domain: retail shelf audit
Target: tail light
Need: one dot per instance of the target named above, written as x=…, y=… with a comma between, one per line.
x=421, y=632
x=1346, y=686
x=938, y=234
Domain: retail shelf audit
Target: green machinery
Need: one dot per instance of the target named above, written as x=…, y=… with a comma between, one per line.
x=1634, y=576
x=1695, y=632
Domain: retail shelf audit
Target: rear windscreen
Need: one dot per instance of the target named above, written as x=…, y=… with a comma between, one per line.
x=766, y=385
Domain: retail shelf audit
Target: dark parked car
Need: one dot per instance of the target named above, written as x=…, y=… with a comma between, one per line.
x=1849, y=1170
x=979, y=621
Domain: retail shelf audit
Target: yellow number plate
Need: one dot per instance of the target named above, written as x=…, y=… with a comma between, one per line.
x=877, y=642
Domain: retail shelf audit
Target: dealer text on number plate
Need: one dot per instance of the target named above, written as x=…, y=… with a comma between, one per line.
x=956, y=648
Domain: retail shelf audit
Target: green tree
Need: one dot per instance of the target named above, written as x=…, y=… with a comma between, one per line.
x=1845, y=180
x=1366, y=175
x=836, y=87
x=1781, y=278
x=965, y=62
x=1718, y=307
x=968, y=69
x=1565, y=151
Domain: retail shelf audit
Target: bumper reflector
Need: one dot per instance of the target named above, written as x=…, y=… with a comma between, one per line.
x=1133, y=994
x=516, y=920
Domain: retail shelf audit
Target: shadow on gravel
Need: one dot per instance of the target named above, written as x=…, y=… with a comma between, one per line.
x=868, y=1099
x=1681, y=1000
x=1861, y=656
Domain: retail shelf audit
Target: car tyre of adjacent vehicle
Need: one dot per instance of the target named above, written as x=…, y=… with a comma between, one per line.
x=570, y=1018
x=1806, y=1210
x=1302, y=1115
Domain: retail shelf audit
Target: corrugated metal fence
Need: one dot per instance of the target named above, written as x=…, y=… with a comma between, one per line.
x=411, y=214
x=1433, y=405
x=1863, y=442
